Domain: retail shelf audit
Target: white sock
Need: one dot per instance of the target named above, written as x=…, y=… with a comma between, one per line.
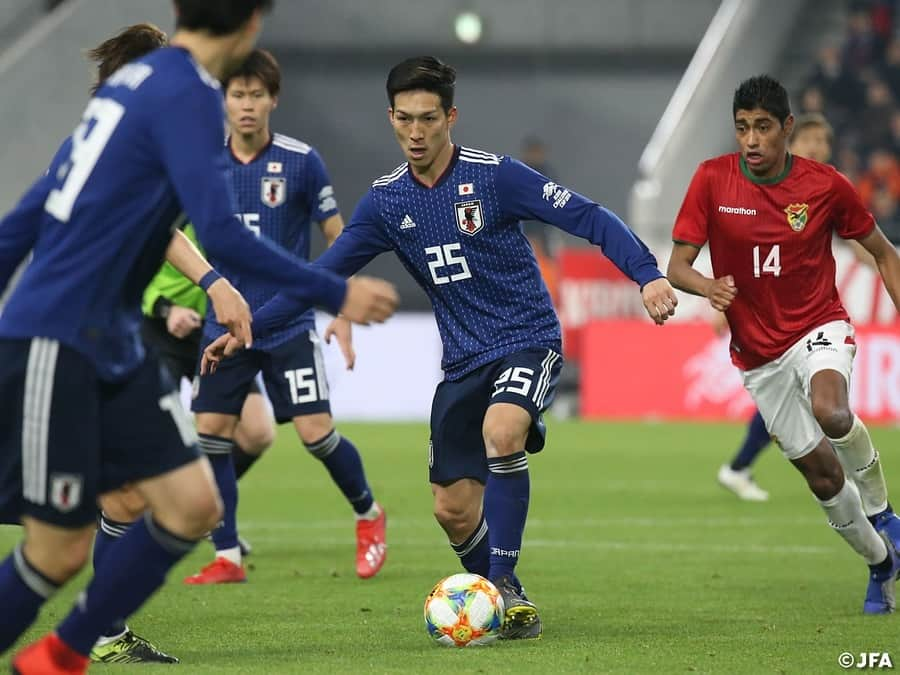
x=863, y=466
x=230, y=554
x=846, y=517
x=106, y=639
x=373, y=512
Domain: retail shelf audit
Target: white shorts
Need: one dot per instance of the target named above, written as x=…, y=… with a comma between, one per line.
x=780, y=388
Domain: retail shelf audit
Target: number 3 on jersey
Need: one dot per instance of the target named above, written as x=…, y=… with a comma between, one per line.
x=100, y=119
x=770, y=265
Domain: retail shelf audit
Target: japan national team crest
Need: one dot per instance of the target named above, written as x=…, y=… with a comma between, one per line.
x=65, y=491
x=273, y=191
x=469, y=217
x=797, y=215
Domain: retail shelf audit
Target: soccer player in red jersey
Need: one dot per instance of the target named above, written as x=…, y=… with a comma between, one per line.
x=768, y=218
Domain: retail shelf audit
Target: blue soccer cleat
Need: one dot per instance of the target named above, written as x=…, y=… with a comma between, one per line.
x=887, y=524
x=880, y=592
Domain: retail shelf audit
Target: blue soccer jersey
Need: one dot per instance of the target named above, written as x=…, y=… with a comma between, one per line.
x=462, y=241
x=149, y=147
x=278, y=193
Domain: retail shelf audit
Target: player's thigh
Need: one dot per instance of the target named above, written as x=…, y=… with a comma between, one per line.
x=294, y=375
x=456, y=450
x=778, y=390
x=525, y=381
x=50, y=458
x=256, y=429
x=223, y=393
x=145, y=431
x=830, y=347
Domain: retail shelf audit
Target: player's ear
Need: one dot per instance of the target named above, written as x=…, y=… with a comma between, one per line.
x=390, y=114
x=274, y=102
x=452, y=114
x=788, y=126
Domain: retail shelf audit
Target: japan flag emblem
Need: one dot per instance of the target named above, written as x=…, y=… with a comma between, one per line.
x=273, y=191
x=469, y=218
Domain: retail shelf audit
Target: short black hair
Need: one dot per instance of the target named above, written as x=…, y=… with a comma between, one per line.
x=259, y=64
x=425, y=73
x=219, y=17
x=763, y=92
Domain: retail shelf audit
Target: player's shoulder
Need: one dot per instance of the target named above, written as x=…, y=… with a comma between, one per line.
x=391, y=178
x=475, y=156
x=291, y=145
x=810, y=167
x=723, y=164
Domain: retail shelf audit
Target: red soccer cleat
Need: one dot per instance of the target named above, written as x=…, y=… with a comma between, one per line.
x=371, y=547
x=49, y=656
x=219, y=571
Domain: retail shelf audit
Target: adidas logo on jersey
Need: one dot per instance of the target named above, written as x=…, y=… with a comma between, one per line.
x=407, y=222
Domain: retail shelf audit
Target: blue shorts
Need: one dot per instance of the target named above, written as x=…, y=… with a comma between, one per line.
x=293, y=373
x=527, y=379
x=67, y=437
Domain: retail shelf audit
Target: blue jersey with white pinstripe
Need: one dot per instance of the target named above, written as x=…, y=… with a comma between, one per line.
x=277, y=193
x=149, y=145
x=462, y=241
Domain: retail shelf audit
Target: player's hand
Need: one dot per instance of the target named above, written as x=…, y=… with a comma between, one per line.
x=721, y=292
x=342, y=330
x=369, y=300
x=659, y=300
x=182, y=321
x=220, y=348
x=232, y=311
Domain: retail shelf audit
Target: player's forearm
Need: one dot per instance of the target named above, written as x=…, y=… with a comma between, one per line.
x=332, y=228
x=185, y=257
x=685, y=278
x=889, y=268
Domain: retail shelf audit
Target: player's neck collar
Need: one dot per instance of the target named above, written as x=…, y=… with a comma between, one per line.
x=259, y=153
x=440, y=179
x=788, y=163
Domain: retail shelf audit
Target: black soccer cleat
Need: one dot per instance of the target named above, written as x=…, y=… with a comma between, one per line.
x=130, y=648
x=521, y=620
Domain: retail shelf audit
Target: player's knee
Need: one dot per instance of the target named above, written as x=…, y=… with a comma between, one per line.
x=124, y=505
x=196, y=514
x=503, y=440
x=315, y=430
x=212, y=424
x=59, y=561
x=836, y=421
x=457, y=519
x=255, y=438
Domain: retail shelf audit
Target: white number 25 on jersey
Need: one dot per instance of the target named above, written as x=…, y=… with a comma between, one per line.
x=442, y=257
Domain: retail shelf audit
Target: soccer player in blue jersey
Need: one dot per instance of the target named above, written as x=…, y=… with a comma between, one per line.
x=85, y=409
x=280, y=185
x=452, y=214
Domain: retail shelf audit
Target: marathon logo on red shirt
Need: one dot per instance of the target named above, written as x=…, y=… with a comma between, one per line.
x=737, y=210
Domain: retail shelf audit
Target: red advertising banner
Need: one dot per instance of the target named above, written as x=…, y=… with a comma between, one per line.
x=636, y=370
x=591, y=287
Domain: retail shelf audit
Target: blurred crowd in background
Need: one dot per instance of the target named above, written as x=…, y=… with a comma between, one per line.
x=856, y=85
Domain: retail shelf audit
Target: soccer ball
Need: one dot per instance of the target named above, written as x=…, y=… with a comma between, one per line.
x=464, y=609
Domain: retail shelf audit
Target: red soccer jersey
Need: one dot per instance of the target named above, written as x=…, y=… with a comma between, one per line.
x=774, y=237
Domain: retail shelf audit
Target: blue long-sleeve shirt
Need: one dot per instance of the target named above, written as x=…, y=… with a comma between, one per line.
x=462, y=241
x=148, y=148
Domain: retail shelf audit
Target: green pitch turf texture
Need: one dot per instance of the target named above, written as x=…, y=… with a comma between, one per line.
x=637, y=559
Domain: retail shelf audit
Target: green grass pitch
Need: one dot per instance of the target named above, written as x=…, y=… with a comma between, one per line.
x=637, y=559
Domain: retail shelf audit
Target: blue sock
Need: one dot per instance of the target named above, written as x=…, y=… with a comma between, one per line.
x=108, y=533
x=218, y=451
x=23, y=590
x=343, y=462
x=135, y=568
x=757, y=438
x=474, y=553
x=505, y=510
